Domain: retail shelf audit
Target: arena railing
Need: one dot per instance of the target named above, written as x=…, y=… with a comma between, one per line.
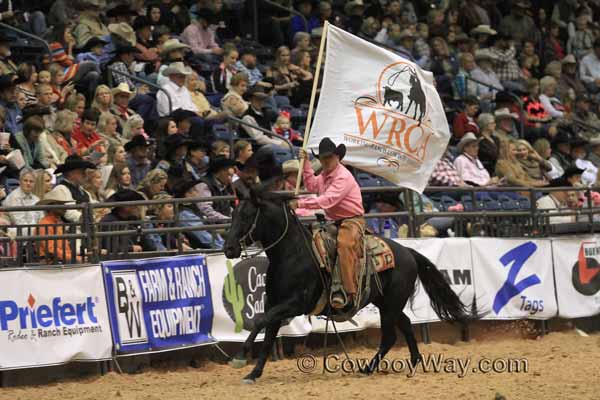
x=28, y=35
x=140, y=80
x=88, y=241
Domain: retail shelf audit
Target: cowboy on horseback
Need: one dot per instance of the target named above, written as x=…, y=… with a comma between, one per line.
x=339, y=196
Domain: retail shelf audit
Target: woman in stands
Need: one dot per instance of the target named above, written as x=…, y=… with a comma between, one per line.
x=510, y=168
x=107, y=129
x=116, y=154
x=43, y=183
x=233, y=100
x=537, y=122
x=103, y=100
x=290, y=80
x=489, y=145
x=27, y=76
x=120, y=179
x=153, y=183
x=534, y=164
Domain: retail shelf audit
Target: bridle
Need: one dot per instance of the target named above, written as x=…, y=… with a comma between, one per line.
x=248, y=235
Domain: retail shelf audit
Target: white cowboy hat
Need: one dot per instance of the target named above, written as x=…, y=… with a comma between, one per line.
x=483, y=54
x=569, y=59
x=468, y=138
x=177, y=68
x=55, y=196
x=122, y=88
x=483, y=30
x=290, y=166
x=125, y=31
x=505, y=113
x=172, y=45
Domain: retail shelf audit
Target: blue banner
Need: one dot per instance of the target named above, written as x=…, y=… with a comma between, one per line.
x=159, y=303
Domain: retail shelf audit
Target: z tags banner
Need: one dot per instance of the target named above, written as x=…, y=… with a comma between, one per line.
x=577, y=269
x=239, y=298
x=159, y=303
x=514, y=278
x=53, y=316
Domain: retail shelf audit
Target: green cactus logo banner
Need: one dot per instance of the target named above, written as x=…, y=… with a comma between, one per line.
x=244, y=294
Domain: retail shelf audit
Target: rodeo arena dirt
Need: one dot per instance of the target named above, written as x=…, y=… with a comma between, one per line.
x=292, y=199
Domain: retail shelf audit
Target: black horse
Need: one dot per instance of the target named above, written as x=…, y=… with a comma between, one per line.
x=416, y=96
x=294, y=282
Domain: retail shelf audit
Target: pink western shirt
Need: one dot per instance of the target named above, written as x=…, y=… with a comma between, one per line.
x=338, y=193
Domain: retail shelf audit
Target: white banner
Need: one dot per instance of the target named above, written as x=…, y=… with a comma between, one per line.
x=238, y=297
x=577, y=269
x=384, y=108
x=53, y=316
x=514, y=278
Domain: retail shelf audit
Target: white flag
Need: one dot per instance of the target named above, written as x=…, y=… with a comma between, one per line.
x=384, y=108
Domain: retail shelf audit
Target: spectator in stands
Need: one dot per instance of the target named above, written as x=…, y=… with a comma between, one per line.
x=122, y=96
x=445, y=173
x=27, y=78
x=172, y=157
x=22, y=197
x=90, y=24
x=121, y=36
x=183, y=119
x=28, y=141
x=386, y=226
x=57, y=144
x=247, y=64
x=121, y=218
x=43, y=183
x=220, y=148
x=44, y=96
x=73, y=172
x=444, y=66
x=197, y=160
x=537, y=122
x=119, y=179
x=161, y=216
x=553, y=48
x=86, y=136
x=594, y=155
x=55, y=251
x=221, y=76
x=484, y=73
x=579, y=155
x=509, y=168
x=201, y=37
x=85, y=75
x=505, y=63
x=582, y=41
x=569, y=84
x=583, y=112
x=404, y=43
x=13, y=122
x=137, y=158
x=190, y=216
x=92, y=51
x=175, y=87
x=172, y=51
x=197, y=88
x=534, y=164
x=289, y=79
x=117, y=154
x=217, y=182
x=561, y=152
x=555, y=201
x=548, y=99
x=242, y=151
x=283, y=128
x=255, y=115
x=505, y=121
x=153, y=183
x=134, y=126
x=233, y=100
x=103, y=100
x=95, y=190
x=7, y=65
x=489, y=145
x=518, y=23
x=465, y=121
x=589, y=69
x=544, y=149
x=297, y=22
x=301, y=42
x=145, y=43
x=467, y=164
x=108, y=130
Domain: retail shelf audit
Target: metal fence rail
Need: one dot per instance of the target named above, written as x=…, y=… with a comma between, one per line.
x=88, y=240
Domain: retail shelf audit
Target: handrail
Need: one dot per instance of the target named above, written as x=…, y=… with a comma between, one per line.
x=263, y=130
x=290, y=9
x=29, y=35
x=511, y=94
x=138, y=79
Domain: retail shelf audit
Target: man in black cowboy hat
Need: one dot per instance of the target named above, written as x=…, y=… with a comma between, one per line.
x=190, y=215
x=217, y=182
x=8, y=100
x=183, y=119
x=73, y=173
x=196, y=161
x=122, y=218
x=561, y=151
x=138, y=159
x=339, y=196
x=7, y=65
x=255, y=115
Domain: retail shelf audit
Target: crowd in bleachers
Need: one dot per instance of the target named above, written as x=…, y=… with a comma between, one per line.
x=520, y=82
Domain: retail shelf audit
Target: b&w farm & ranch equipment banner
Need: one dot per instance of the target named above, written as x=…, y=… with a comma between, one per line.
x=52, y=316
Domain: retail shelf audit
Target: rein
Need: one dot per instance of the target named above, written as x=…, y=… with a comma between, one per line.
x=253, y=228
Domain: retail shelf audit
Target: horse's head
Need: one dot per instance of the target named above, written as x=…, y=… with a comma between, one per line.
x=256, y=218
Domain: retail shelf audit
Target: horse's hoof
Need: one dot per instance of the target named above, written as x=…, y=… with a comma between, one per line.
x=248, y=381
x=238, y=363
x=364, y=372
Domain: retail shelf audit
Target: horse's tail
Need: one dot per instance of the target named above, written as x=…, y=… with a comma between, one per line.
x=446, y=304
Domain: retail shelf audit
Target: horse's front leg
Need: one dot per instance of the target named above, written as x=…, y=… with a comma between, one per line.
x=239, y=360
x=272, y=321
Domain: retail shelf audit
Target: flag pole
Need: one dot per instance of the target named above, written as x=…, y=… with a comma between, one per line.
x=312, y=103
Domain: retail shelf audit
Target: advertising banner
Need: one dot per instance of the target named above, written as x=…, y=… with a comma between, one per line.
x=159, y=303
x=52, y=316
x=514, y=278
x=577, y=270
x=239, y=298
